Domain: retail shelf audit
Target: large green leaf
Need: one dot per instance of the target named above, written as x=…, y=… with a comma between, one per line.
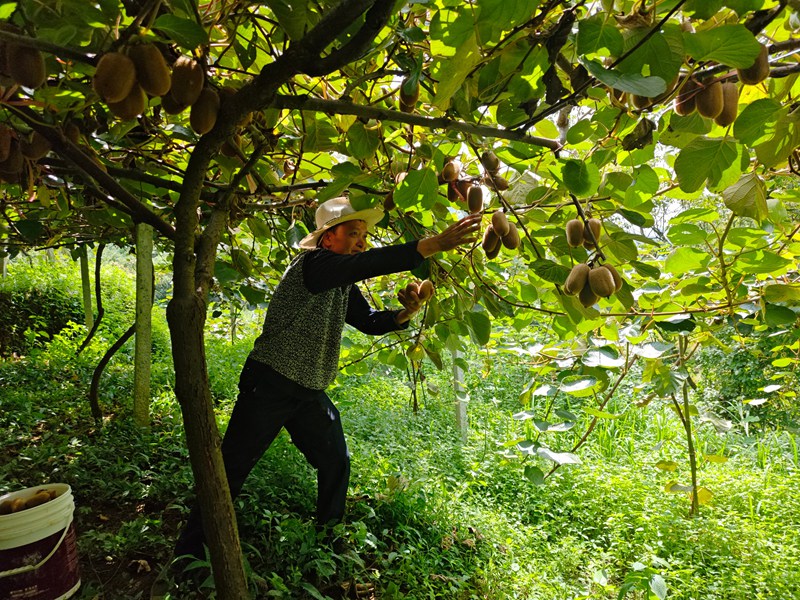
x=480, y=327
x=661, y=54
x=753, y=122
x=747, y=197
x=418, y=188
x=732, y=45
x=774, y=150
x=453, y=71
x=633, y=83
x=704, y=159
x=599, y=34
x=362, y=142
x=686, y=260
x=186, y=32
x=581, y=178
x=551, y=271
x=293, y=15
x=783, y=292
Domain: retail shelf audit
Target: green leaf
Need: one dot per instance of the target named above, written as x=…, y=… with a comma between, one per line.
x=677, y=324
x=534, y=474
x=747, y=197
x=362, y=142
x=185, y=32
x=752, y=123
x=782, y=292
x=658, y=586
x=561, y=458
x=599, y=33
x=785, y=137
x=686, y=260
x=550, y=271
x=704, y=159
x=418, y=188
x=776, y=315
x=480, y=327
x=660, y=55
x=599, y=414
x=645, y=270
x=581, y=179
x=579, y=386
x=763, y=261
x=454, y=71
x=667, y=465
x=702, y=9
x=321, y=136
x=293, y=16
x=686, y=234
x=633, y=83
x=732, y=45
x=605, y=357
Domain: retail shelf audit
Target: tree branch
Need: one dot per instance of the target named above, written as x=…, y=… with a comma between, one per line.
x=348, y=108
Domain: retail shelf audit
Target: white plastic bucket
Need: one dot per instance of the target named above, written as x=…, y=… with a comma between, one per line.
x=38, y=550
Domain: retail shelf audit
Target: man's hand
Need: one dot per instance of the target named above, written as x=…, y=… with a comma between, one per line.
x=410, y=298
x=458, y=234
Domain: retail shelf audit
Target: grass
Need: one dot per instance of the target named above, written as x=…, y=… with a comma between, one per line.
x=428, y=516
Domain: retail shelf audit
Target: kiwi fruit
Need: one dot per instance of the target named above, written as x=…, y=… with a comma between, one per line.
x=204, y=111
x=36, y=147
x=574, y=231
x=475, y=199
x=500, y=223
x=685, y=102
x=576, y=279
x=499, y=182
x=730, y=104
x=130, y=107
x=453, y=195
x=5, y=141
x=511, y=239
x=152, y=71
x=425, y=290
x=586, y=296
x=614, y=275
x=758, y=71
x=709, y=100
x=72, y=132
x=640, y=101
x=602, y=282
x=388, y=201
x=187, y=80
x=463, y=186
x=409, y=93
x=491, y=242
x=171, y=106
x=12, y=165
x=25, y=65
x=490, y=161
x=591, y=233
x=451, y=171
x=114, y=77
x=37, y=499
x=5, y=507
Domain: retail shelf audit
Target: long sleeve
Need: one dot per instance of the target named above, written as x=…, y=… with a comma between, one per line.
x=324, y=270
x=368, y=320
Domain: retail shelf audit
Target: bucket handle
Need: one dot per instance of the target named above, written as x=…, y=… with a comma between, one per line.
x=27, y=568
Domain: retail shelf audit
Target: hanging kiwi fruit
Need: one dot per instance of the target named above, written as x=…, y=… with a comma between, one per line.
x=25, y=65
x=574, y=231
x=758, y=71
x=685, y=102
x=114, y=77
x=475, y=199
x=491, y=243
x=576, y=279
x=730, y=104
x=500, y=223
x=35, y=147
x=511, y=238
x=187, y=80
x=591, y=233
x=203, y=114
x=601, y=282
x=709, y=100
x=130, y=107
x=152, y=71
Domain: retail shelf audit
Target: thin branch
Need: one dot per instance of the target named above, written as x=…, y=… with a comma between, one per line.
x=348, y=108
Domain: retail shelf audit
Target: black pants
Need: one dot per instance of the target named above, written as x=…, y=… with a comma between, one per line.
x=267, y=402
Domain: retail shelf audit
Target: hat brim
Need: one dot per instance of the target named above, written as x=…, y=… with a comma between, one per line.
x=369, y=215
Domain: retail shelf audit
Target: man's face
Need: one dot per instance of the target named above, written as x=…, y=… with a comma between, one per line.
x=349, y=237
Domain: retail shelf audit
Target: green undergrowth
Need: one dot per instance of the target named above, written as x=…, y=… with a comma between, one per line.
x=429, y=516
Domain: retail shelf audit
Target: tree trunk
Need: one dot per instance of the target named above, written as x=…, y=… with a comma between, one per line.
x=144, y=337
x=86, y=286
x=186, y=317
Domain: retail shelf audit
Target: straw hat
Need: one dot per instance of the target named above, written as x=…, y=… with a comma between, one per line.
x=335, y=211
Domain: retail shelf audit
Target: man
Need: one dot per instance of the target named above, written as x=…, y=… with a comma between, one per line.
x=296, y=356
